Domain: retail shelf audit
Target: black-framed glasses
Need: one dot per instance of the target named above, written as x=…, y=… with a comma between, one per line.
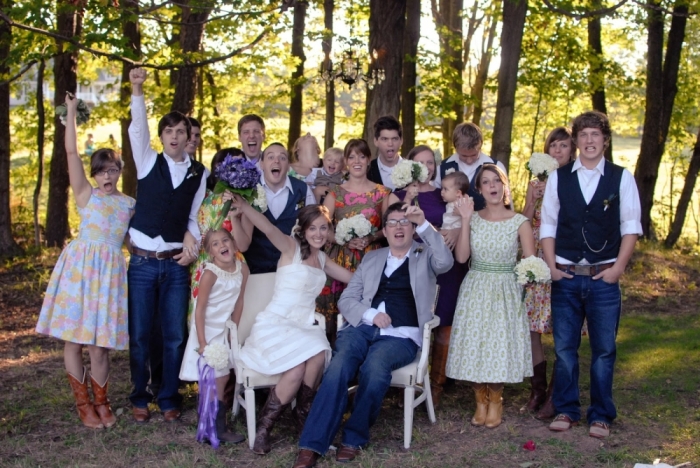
x=110, y=171
x=395, y=222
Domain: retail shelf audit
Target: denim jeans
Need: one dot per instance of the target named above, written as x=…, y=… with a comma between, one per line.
x=357, y=348
x=162, y=286
x=600, y=303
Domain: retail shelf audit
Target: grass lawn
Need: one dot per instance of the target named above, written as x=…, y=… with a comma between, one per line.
x=657, y=391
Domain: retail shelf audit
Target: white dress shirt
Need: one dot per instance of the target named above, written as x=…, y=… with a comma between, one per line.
x=144, y=159
x=385, y=172
x=277, y=201
x=468, y=169
x=392, y=264
x=630, y=209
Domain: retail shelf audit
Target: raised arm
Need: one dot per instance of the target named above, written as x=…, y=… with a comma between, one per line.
x=139, y=135
x=280, y=240
x=337, y=272
x=78, y=181
x=465, y=208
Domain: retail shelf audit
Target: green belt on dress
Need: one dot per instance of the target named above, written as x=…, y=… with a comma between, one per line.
x=488, y=267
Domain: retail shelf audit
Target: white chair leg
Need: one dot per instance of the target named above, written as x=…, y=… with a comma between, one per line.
x=250, y=415
x=408, y=396
x=236, y=402
x=429, y=399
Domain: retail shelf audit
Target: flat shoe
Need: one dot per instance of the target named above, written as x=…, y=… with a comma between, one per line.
x=141, y=415
x=171, y=415
x=346, y=454
x=599, y=430
x=562, y=423
x=306, y=459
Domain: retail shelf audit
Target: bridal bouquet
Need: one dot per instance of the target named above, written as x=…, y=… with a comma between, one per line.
x=351, y=228
x=532, y=270
x=238, y=175
x=406, y=172
x=216, y=356
x=82, y=112
x=541, y=165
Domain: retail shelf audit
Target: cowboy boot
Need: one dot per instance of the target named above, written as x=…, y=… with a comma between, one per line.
x=230, y=390
x=481, y=393
x=548, y=411
x=101, y=403
x=305, y=397
x=438, y=361
x=270, y=413
x=82, y=399
x=538, y=387
x=493, y=418
x=222, y=432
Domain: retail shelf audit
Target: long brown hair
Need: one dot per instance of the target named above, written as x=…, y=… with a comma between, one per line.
x=306, y=216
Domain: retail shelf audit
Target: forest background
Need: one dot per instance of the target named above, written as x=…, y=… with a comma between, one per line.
x=516, y=68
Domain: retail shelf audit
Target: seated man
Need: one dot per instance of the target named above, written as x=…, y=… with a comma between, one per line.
x=386, y=304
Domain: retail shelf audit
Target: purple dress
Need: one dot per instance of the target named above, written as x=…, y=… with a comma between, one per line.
x=432, y=205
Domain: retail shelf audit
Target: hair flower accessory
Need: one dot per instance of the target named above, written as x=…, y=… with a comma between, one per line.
x=296, y=228
x=608, y=201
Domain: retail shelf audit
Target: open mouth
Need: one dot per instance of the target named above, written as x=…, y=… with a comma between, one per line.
x=107, y=186
x=275, y=170
x=224, y=252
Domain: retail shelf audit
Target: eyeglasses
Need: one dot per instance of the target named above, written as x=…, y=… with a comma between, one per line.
x=395, y=222
x=111, y=171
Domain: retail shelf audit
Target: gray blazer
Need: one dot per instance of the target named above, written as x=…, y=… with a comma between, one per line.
x=425, y=262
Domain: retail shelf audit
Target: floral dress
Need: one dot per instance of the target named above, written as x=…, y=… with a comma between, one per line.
x=348, y=204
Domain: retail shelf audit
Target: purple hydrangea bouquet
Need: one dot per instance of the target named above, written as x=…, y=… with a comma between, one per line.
x=240, y=176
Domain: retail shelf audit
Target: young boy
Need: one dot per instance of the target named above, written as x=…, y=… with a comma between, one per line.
x=170, y=189
x=388, y=137
x=590, y=224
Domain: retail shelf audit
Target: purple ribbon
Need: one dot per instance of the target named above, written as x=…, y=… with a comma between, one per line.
x=208, y=404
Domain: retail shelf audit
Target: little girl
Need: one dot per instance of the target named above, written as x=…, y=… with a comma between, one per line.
x=454, y=188
x=86, y=300
x=219, y=298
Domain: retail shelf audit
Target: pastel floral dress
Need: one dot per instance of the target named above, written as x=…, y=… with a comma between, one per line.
x=209, y=212
x=348, y=204
x=86, y=299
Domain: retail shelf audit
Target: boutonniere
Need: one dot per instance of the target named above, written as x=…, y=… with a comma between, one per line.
x=607, y=201
x=301, y=204
x=449, y=171
x=419, y=250
x=192, y=172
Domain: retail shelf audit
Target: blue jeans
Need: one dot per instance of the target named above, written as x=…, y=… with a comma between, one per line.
x=600, y=303
x=357, y=348
x=162, y=286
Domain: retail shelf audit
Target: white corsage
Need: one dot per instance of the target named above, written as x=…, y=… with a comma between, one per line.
x=351, y=228
x=406, y=172
x=449, y=171
x=260, y=200
x=541, y=165
x=216, y=356
x=532, y=270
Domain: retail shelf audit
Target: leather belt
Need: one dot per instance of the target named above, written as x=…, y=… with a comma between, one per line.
x=162, y=255
x=584, y=270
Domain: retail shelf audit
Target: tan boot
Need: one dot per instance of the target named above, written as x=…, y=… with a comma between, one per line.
x=101, y=403
x=438, y=361
x=494, y=416
x=270, y=413
x=82, y=399
x=481, y=393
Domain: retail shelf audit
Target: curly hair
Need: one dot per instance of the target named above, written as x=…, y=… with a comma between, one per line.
x=306, y=216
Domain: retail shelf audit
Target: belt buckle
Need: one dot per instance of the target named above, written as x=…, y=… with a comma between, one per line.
x=158, y=255
x=582, y=270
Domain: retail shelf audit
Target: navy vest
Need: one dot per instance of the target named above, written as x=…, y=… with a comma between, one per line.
x=479, y=202
x=374, y=174
x=396, y=293
x=589, y=230
x=162, y=210
x=262, y=256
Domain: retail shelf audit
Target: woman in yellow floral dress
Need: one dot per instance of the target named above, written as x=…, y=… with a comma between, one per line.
x=358, y=195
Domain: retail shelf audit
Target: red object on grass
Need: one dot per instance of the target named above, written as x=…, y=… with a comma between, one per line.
x=530, y=446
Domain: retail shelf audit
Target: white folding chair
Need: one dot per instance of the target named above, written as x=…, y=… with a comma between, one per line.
x=257, y=295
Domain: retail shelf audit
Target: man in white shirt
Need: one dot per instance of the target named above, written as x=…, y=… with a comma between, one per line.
x=590, y=223
x=386, y=304
x=388, y=137
x=251, y=134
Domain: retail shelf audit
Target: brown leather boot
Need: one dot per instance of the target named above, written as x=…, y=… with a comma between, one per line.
x=101, y=403
x=548, y=411
x=438, y=361
x=230, y=390
x=494, y=416
x=538, y=387
x=305, y=397
x=270, y=413
x=222, y=431
x=82, y=399
x=481, y=393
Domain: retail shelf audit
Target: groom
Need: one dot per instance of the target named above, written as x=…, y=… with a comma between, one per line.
x=386, y=304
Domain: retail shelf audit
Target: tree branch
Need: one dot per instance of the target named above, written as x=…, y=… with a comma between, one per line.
x=587, y=14
x=25, y=68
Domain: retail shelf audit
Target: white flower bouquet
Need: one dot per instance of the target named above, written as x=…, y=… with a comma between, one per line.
x=216, y=356
x=406, y=172
x=541, y=165
x=351, y=228
x=532, y=270
x=260, y=200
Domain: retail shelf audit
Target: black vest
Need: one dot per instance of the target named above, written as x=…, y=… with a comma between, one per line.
x=262, y=256
x=479, y=201
x=374, y=174
x=162, y=210
x=396, y=293
x=590, y=231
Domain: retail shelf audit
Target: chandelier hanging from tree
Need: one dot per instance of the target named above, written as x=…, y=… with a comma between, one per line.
x=349, y=70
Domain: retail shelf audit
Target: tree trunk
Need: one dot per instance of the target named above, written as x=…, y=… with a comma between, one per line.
x=514, y=12
x=40, y=136
x=408, y=82
x=596, y=75
x=296, y=107
x=482, y=72
x=686, y=196
x=65, y=64
x=8, y=246
x=387, y=21
x=327, y=44
x=662, y=79
x=132, y=34
x=215, y=108
x=191, y=33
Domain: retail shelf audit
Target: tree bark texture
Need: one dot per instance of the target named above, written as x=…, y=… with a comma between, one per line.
x=596, y=75
x=686, y=195
x=130, y=29
x=296, y=106
x=410, y=75
x=40, y=137
x=215, y=107
x=8, y=246
x=191, y=33
x=387, y=21
x=662, y=79
x=65, y=65
x=329, y=137
x=482, y=72
x=514, y=12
